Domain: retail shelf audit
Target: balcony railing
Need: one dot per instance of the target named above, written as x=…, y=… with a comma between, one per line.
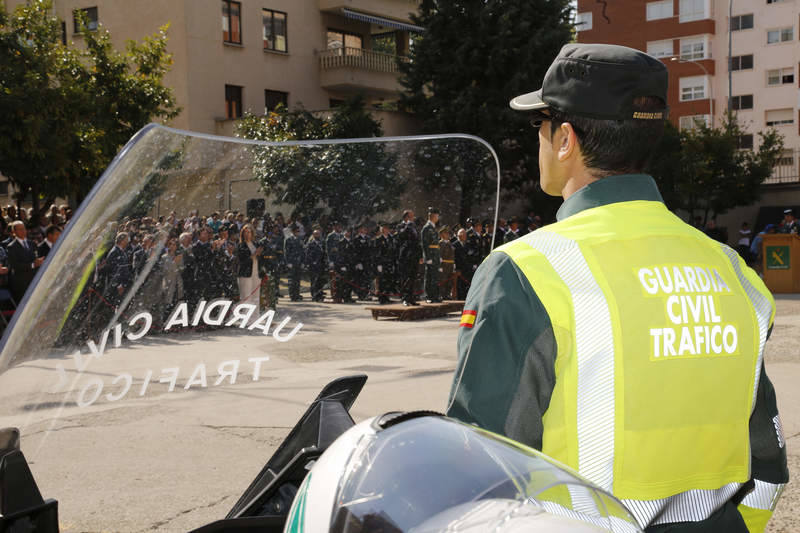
x=359, y=58
x=786, y=171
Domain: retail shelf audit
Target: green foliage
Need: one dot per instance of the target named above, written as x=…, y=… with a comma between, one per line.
x=472, y=59
x=353, y=180
x=702, y=172
x=67, y=111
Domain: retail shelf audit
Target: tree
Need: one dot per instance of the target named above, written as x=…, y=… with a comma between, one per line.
x=353, y=180
x=703, y=172
x=472, y=59
x=66, y=111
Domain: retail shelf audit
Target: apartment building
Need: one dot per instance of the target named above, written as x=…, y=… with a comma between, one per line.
x=234, y=56
x=691, y=37
x=246, y=55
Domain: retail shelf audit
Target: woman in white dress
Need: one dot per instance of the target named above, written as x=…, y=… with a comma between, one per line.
x=248, y=279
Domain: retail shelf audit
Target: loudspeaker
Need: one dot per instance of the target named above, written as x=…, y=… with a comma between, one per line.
x=255, y=207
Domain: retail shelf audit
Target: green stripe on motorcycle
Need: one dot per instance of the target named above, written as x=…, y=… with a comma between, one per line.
x=295, y=524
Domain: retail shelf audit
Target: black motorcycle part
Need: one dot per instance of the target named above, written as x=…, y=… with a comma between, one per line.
x=22, y=507
x=266, y=502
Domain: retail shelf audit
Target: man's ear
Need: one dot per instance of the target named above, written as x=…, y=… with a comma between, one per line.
x=567, y=141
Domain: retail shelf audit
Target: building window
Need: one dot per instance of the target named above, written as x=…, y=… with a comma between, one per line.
x=746, y=142
x=660, y=48
x=780, y=76
x=231, y=22
x=274, y=98
x=91, y=19
x=659, y=10
x=786, y=159
x=693, y=10
x=274, y=24
x=780, y=36
x=742, y=22
x=343, y=40
x=583, y=21
x=779, y=117
x=233, y=101
x=744, y=101
x=694, y=48
x=692, y=122
x=385, y=43
x=742, y=62
x=693, y=88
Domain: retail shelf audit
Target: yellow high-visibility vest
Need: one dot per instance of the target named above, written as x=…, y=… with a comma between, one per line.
x=660, y=335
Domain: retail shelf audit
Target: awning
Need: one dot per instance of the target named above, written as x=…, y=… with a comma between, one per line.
x=380, y=21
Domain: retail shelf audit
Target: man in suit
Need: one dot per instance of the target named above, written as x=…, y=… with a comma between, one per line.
x=430, y=253
x=463, y=264
x=117, y=270
x=51, y=235
x=384, y=255
x=362, y=263
x=22, y=261
x=293, y=255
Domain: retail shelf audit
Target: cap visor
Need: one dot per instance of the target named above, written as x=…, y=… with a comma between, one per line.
x=529, y=102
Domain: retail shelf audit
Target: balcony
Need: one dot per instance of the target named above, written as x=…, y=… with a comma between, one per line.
x=351, y=69
x=392, y=9
x=786, y=172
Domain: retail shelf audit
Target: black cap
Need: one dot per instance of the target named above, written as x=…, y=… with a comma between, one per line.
x=788, y=212
x=433, y=211
x=599, y=81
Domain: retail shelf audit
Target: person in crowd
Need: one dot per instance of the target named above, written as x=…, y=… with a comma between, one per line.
x=247, y=277
x=431, y=256
x=269, y=266
x=790, y=223
x=22, y=261
x=513, y=230
x=743, y=244
x=315, y=262
x=117, y=270
x=344, y=268
x=293, y=254
x=332, y=241
x=756, y=250
x=384, y=255
x=463, y=264
x=409, y=257
x=362, y=263
x=224, y=282
x=474, y=249
x=447, y=268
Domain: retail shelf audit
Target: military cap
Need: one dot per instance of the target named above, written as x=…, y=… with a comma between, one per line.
x=433, y=211
x=599, y=81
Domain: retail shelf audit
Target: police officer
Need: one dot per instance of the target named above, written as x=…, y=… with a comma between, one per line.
x=430, y=254
x=474, y=248
x=513, y=230
x=614, y=374
x=344, y=269
x=409, y=256
x=384, y=254
x=315, y=262
x=463, y=264
x=293, y=255
x=362, y=262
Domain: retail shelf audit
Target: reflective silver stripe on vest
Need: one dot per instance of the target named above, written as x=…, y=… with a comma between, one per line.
x=594, y=341
x=763, y=309
x=764, y=496
x=690, y=506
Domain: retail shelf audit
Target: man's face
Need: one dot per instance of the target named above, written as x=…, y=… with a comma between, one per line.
x=478, y=227
x=410, y=216
x=124, y=243
x=462, y=235
x=435, y=218
x=20, y=231
x=53, y=237
x=385, y=230
x=203, y=236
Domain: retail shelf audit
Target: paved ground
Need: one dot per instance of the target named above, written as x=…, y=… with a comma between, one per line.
x=186, y=455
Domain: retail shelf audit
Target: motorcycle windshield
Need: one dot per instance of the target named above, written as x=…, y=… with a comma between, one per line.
x=199, y=300
x=423, y=476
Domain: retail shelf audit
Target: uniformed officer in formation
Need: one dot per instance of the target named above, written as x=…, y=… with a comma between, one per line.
x=447, y=268
x=409, y=256
x=269, y=266
x=315, y=262
x=385, y=257
x=293, y=255
x=343, y=268
x=431, y=257
x=362, y=263
x=332, y=251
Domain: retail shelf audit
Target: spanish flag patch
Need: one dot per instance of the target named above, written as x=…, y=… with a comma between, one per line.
x=468, y=318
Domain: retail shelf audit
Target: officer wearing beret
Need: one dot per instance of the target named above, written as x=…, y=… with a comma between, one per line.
x=430, y=254
x=614, y=374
